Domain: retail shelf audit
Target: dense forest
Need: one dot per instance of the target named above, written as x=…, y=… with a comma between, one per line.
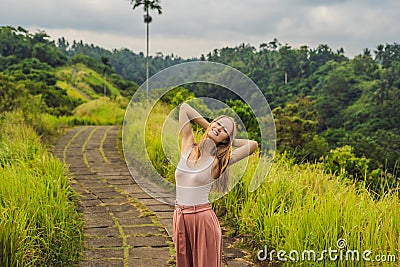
x=327, y=107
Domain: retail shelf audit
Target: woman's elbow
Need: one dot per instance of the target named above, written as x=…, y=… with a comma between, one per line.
x=253, y=146
x=184, y=106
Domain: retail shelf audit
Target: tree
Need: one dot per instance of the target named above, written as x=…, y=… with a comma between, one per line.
x=49, y=54
x=248, y=118
x=63, y=45
x=296, y=128
x=105, y=61
x=12, y=93
x=15, y=42
x=337, y=92
x=153, y=5
x=387, y=55
x=343, y=162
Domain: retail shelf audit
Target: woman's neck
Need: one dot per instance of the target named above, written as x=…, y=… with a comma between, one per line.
x=207, y=147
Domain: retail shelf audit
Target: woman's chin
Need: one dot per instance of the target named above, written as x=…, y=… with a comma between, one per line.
x=213, y=138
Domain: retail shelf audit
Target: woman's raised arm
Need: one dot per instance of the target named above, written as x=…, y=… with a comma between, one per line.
x=244, y=148
x=186, y=115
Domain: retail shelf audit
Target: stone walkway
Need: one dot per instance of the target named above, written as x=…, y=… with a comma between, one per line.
x=123, y=226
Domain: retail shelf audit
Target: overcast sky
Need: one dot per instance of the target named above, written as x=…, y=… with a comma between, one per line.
x=189, y=28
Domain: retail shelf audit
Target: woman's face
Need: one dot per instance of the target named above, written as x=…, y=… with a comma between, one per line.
x=220, y=130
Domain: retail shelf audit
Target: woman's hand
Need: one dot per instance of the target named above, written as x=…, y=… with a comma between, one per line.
x=244, y=148
x=194, y=116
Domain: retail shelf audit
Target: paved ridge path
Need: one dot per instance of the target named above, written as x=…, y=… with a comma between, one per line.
x=123, y=226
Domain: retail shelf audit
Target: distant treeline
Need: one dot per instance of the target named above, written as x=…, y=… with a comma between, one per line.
x=128, y=64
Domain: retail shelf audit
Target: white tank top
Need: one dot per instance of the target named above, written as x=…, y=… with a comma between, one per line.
x=193, y=184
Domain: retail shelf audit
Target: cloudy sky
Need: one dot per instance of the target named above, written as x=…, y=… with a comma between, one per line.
x=189, y=28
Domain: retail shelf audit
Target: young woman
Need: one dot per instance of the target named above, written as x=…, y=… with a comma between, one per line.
x=196, y=230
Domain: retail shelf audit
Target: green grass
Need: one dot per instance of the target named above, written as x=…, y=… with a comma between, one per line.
x=71, y=91
x=87, y=80
x=94, y=79
x=39, y=224
x=153, y=148
x=298, y=207
x=93, y=82
x=102, y=111
x=50, y=127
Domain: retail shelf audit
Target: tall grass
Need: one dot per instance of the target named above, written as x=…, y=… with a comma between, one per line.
x=72, y=92
x=93, y=82
x=39, y=225
x=87, y=80
x=50, y=127
x=102, y=111
x=154, y=148
x=298, y=207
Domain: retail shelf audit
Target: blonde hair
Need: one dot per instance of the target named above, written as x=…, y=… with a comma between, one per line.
x=223, y=153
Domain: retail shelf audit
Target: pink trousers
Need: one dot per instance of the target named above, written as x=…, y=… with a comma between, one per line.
x=197, y=236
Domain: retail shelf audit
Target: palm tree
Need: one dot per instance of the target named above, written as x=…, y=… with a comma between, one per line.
x=105, y=61
x=153, y=5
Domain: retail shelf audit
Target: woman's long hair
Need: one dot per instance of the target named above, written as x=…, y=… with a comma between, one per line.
x=223, y=154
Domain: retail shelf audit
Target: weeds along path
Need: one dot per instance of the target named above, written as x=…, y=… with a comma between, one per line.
x=123, y=226
x=86, y=96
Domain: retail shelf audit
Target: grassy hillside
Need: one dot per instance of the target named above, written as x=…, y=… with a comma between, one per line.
x=85, y=84
x=79, y=78
x=102, y=111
